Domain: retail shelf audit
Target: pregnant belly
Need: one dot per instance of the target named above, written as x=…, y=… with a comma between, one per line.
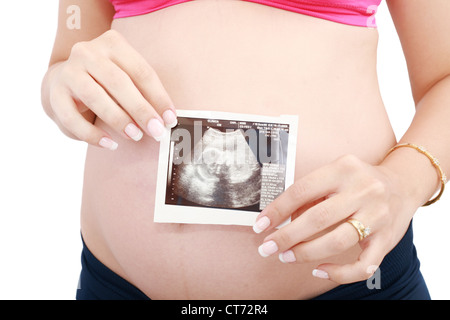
x=231, y=60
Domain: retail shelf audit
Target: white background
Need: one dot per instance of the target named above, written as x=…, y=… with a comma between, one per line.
x=41, y=171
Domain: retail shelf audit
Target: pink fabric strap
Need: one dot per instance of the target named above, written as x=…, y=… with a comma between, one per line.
x=352, y=12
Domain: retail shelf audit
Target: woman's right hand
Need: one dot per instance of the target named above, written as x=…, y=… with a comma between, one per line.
x=107, y=78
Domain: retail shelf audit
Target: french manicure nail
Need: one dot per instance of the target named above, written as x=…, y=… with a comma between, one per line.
x=170, y=118
x=267, y=248
x=320, y=274
x=287, y=256
x=107, y=143
x=261, y=224
x=134, y=132
x=156, y=129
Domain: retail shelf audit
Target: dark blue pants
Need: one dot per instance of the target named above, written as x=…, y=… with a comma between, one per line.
x=399, y=278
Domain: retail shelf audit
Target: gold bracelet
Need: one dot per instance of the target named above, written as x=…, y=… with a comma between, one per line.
x=434, y=162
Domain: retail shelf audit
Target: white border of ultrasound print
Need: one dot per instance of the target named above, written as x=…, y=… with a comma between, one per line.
x=165, y=213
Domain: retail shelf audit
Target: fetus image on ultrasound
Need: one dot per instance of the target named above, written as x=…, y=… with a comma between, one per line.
x=217, y=177
x=214, y=166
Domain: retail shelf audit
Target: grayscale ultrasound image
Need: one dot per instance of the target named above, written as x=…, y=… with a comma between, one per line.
x=223, y=169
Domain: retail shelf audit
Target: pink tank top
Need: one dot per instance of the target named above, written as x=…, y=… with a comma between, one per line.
x=352, y=12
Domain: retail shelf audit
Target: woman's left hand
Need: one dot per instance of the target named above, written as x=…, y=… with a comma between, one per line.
x=350, y=189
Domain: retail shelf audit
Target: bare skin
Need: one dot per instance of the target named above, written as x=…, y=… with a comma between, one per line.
x=224, y=55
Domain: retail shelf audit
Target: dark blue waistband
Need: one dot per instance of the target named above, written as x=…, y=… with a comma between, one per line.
x=98, y=282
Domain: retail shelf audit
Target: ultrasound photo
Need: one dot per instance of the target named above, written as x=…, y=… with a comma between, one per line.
x=224, y=164
x=219, y=182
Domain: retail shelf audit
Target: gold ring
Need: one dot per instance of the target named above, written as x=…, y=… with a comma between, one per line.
x=363, y=231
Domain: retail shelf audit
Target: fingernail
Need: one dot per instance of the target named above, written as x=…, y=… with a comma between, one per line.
x=267, y=248
x=261, y=224
x=170, y=118
x=320, y=274
x=287, y=256
x=107, y=143
x=134, y=132
x=156, y=129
